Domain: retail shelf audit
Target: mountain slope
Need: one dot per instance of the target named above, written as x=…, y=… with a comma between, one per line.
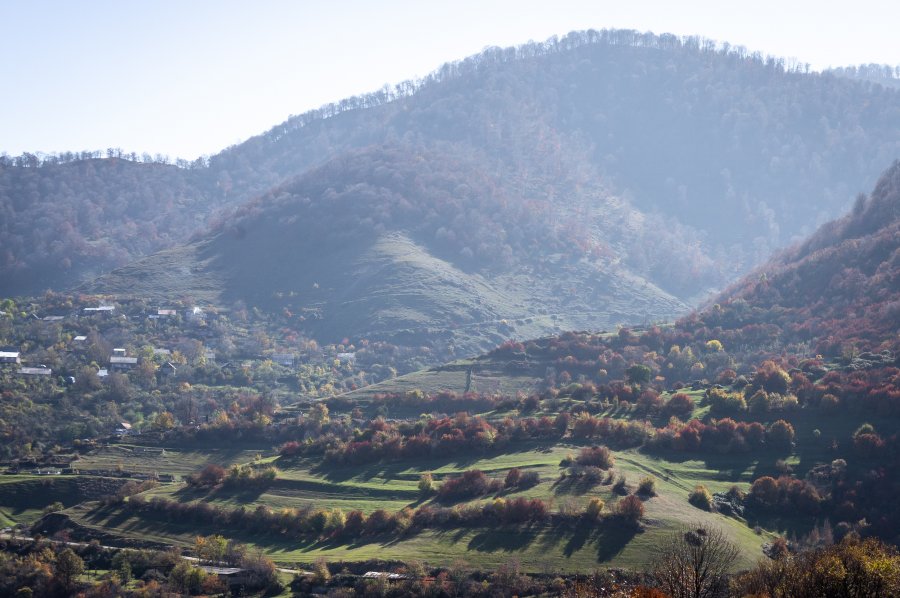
x=735, y=152
x=839, y=289
x=413, y=244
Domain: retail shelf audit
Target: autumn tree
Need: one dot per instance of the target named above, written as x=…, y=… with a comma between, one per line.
x=68, y=567
x=638, y=374
x=694, y=562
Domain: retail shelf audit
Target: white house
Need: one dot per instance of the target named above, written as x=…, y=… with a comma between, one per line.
x=10, y=357
x=39, y=371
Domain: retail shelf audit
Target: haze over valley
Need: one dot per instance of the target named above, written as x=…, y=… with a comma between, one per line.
x=610, y=314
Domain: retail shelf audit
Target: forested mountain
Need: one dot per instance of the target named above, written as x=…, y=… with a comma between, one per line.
x=733, y=154
x=883, y=74
x=64, y=220
x=838, y=291
x=421, y=244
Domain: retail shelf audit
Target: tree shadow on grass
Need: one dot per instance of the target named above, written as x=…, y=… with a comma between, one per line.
x=613, y=538
x=577, y=485
x=399, y=469
x=610, y=537
x=504, y=540
x=242, y=495
x=108, y=517
x=798, y=526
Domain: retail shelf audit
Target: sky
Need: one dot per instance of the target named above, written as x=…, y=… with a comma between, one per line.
x=189, y=78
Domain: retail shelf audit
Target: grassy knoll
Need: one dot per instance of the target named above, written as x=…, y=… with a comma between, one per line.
x=483, y=375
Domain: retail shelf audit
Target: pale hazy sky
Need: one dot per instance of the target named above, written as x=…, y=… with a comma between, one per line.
x=190, y=77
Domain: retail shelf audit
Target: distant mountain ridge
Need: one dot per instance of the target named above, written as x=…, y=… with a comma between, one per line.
x=712, y=158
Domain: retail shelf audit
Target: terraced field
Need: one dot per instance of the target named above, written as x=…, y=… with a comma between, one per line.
x=155, y=460
x=393, y=486
x=24, y=497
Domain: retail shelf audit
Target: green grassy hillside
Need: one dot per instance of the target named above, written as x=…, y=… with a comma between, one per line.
x=539, y=547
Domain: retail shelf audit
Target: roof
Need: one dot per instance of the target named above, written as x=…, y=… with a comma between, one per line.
x=36, y=371
x=120, y=359
x=53, y=318
x=9, y=354
x=101, y=308
x=80, y=339
x=166, y=312
x=221, y=570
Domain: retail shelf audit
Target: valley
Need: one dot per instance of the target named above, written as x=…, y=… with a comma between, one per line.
x=543, y=322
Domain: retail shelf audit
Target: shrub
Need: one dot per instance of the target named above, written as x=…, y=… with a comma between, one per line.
x=529, y=479
x=765, y=491
x=380, y=521
x=426, y=483
x=781, y=435
x=594, y=508
x=649, y=401
x=647, y=486
x=770, y=377
x=211, y=475
x=596, y=456
x=630, y=508
x=701, y=498
x=722, y=401
x=321, y=574
x=512, y=478
x=680, y=405
x=469, y=485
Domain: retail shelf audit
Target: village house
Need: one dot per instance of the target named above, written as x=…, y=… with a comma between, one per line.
x=286, y=359
x=102, y=309
x=35, y=371
x=121, y=363
x=10, y=357
x=166, y=313
x=195, y=315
